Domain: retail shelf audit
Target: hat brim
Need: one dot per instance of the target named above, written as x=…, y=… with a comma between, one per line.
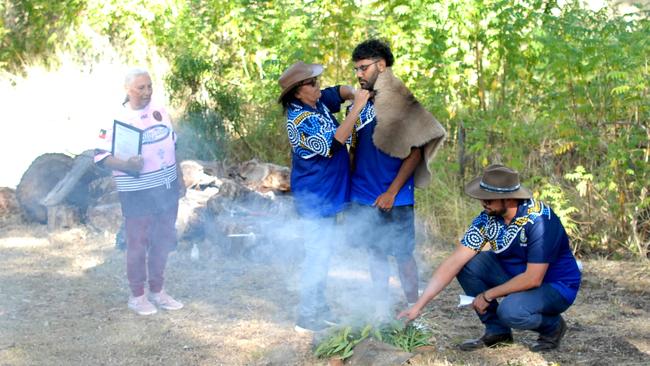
x=474, y=190
x=316, y=70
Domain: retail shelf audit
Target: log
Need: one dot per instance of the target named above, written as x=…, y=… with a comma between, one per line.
x=102, y=190
x=194, y=175
x=8, y=202
x=56, y=179
x=105, y=217
x=104, y=213
x=62, y=217
x=82, y=163
x=191, y=212
x=264, y=177
x=43, y=174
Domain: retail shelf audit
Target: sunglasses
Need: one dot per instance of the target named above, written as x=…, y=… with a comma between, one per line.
x=363, y=68
x=312, y=82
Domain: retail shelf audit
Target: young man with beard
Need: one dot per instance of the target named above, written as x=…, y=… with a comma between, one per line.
x=389, y=159
x=530, y=268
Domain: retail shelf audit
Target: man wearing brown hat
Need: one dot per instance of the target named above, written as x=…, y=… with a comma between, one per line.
x=530, y=268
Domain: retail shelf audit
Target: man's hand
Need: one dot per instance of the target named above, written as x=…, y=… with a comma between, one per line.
x=409, y=314
x=479, y=304
x=385, y=201
x=134, y=165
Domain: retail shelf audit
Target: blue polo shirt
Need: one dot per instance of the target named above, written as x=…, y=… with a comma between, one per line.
x=374, y=170
x=320, y=175
x=535, y=235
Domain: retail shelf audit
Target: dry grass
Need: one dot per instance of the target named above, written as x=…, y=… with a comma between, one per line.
x=63, y=302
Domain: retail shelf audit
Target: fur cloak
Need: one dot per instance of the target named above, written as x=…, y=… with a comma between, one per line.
x=402, y=123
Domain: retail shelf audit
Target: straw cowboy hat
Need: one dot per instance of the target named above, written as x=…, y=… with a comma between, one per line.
x=497, y=182
x=296, y=73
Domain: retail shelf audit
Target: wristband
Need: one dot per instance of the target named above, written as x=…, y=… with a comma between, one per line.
x=485, y=297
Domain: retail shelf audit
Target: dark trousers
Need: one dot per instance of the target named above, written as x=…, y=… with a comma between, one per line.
x=536, y=309
x=149, y=238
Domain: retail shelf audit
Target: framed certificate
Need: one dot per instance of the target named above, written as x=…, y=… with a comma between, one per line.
x=127, y=140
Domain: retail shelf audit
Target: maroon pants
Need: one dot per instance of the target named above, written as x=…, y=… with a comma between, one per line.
x=149, y=240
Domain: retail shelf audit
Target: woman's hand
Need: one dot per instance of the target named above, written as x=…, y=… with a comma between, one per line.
x=361, y=97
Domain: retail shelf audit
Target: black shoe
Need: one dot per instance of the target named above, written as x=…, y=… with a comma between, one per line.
x=550, y=341
x=487, y=340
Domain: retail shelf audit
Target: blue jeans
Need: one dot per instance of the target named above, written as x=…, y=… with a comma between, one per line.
x=536, y=309
x=319, y=236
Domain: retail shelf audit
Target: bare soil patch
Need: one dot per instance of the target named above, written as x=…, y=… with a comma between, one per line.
x=63, y=302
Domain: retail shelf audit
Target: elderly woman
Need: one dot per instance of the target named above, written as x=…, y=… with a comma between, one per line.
x=149, y=186
x=320, y=179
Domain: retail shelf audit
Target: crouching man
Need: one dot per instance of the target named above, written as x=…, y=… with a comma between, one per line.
x=530, y=268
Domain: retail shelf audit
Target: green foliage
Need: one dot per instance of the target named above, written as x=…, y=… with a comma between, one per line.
x=407, y=337
x=341, y=342
x=202, y=136
x=442, y=205
x=555, y=197
x=31, y=30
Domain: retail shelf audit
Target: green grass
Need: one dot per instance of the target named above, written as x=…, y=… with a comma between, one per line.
x=443, y=207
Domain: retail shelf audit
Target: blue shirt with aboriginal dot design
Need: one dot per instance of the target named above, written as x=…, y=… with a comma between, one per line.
x=374, y=170
x=320, y=177
x=535, y=235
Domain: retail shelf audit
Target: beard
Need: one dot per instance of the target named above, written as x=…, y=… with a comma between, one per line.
x=368, y=84
x=495, y=212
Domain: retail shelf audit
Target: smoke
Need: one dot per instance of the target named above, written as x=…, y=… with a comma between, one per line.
x=62, y=111
x=267, y=230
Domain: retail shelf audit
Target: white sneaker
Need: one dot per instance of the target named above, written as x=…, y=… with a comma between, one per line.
x=164, y=301
x=141, y=305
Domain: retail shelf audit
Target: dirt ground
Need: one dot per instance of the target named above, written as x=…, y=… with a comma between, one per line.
x=63, y=302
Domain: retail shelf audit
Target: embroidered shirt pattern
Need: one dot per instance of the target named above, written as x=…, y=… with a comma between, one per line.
x=310, y=133
x=366, y=116
x=486, y=229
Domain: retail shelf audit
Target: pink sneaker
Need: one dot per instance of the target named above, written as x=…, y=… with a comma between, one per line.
x=141, y=305
x=164, y=301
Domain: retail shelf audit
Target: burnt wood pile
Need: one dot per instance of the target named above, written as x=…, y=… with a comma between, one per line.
x=223, y=201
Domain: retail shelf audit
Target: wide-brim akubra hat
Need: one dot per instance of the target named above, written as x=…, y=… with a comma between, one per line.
x=497, y=182
x=295, y=74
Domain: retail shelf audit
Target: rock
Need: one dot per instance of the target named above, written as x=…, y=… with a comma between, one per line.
x=371, y=352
